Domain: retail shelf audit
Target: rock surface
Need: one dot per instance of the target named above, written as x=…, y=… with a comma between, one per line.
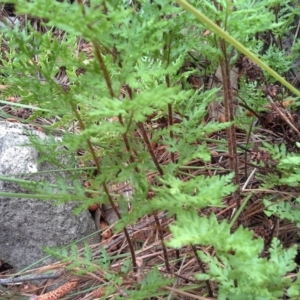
x=26, y=225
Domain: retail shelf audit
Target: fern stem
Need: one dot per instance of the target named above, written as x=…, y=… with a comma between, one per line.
x=167, y=51
x=105, y=188
x=161, y=173
x=229, y=115
x=103, y=69
x=208, y=286
x=111, y=92
x=161, y=237
x=146, y=140
x=126, y=142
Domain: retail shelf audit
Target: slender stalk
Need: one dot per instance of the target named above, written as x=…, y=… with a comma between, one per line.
x=167, y=51
x=161, y=173
x=146, y=140
x=161, y=237
x=111, y=92
x=105, y=188
x=229, y=115
x=170, y=117
x=208, y=286
x=103, y=69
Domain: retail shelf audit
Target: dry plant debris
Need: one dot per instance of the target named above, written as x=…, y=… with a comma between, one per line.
x=57, y=293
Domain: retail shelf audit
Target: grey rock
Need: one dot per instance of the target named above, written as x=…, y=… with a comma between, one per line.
x=26, y=225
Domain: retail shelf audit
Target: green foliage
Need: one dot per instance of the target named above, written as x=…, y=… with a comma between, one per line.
x=287, y=173
x=283, y=209
x=278, y=60
x=81, y=263
x=135, y=75
x=149, y=286
x=242, y=20
x=237, y=265
x=277, y=152
x=195, y=193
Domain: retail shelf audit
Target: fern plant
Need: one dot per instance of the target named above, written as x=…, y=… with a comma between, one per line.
x=134, y=75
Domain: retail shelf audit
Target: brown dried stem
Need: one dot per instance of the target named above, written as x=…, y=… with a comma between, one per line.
x=167, y=51
x=208, y=286
x=229, y=116
x=104, y=185
x=161, y=173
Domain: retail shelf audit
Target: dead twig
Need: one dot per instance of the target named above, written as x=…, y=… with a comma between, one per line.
x=31, y=277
